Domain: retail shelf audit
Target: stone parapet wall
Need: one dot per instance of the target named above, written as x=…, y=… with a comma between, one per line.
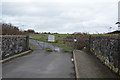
x=13, y=44
x=107, y=49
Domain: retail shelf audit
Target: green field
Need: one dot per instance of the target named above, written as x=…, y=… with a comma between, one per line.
x=44, y=37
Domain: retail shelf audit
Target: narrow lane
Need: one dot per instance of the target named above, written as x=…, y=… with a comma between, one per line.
x=40, y=64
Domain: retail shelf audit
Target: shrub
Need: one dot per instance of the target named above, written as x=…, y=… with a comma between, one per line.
x=82, y=40
x=9, y=29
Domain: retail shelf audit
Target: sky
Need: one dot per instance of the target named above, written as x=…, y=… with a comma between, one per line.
x=62, y=16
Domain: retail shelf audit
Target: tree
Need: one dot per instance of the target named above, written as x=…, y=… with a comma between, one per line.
x=30, y=31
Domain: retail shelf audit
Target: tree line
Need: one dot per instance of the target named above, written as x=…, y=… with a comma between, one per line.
x=9, y=29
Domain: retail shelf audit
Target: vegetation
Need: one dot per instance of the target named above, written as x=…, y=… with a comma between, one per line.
x=82, y=40
x=94, y=35
x=67, y=50
x=45, y=36
x=9, y=29
x=48, y=49
x=30, y=31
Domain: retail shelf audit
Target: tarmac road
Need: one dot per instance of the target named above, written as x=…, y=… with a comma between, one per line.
x=40, y=64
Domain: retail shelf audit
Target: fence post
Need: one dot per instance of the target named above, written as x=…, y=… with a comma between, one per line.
x=27, y=42
x=89, y=42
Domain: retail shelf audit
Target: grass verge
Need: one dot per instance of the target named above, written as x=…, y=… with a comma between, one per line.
x=48, y=49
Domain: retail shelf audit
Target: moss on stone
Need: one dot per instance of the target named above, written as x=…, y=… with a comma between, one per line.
x=110, y=65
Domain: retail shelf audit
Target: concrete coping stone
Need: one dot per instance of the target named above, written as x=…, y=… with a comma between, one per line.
x=13, y=35
x=23, y=53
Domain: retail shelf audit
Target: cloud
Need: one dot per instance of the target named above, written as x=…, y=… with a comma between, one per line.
x=64, y=16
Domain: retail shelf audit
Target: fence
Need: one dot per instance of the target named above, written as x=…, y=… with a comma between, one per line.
x=66, y=45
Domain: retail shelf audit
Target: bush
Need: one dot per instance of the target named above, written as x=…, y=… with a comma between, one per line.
x=82, y=40
x=9, y=29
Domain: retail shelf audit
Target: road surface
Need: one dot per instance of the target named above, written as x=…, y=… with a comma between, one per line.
x=40, y=64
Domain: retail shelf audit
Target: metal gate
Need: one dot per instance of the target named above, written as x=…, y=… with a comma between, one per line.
x=55, y=43
x=51, y=42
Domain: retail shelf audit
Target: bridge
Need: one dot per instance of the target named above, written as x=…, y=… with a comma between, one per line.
x=55, y=64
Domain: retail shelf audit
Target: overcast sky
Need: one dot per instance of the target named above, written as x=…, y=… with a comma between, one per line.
x=63, y=16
